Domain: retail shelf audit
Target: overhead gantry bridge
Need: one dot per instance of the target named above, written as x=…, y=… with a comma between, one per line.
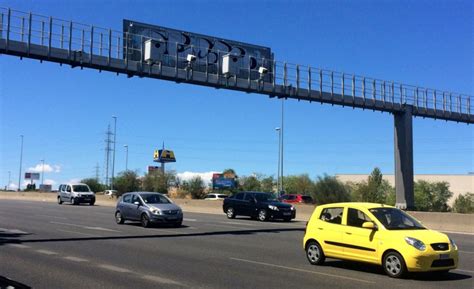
x=80, y=45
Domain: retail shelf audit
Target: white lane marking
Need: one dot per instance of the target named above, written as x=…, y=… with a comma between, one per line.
x=462, y=270
x=465, y=252
x=301, y=270
x=83, y=234
x=12, y=231
x=160, y=279
x=224, y=226
x=238, y=223
x=54, y=217
x=460, y=233
x=114, y=268
x=86, y=227
x=189, y=220
x=102, y=229
x=19, y=246
x=46, y=252
x=75, y=259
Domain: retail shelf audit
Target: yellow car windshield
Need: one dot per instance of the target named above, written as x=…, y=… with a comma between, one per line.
x=395, y=219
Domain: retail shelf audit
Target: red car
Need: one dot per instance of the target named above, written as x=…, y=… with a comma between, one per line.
x=296, y=198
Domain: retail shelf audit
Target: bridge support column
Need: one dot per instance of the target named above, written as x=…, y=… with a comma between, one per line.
x=405, y=198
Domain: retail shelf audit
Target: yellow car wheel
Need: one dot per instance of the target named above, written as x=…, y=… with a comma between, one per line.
x=394, y=265
x=315, y=253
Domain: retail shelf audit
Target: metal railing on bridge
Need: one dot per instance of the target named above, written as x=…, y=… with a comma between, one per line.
x=51, y=39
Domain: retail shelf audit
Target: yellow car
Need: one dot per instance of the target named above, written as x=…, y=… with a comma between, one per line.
x=377, y=234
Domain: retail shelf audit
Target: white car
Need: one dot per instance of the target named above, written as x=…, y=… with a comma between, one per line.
x=111, y=193
x=214, y=197
x=75, y=193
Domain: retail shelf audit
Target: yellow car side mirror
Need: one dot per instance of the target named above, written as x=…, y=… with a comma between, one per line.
x=369, y=225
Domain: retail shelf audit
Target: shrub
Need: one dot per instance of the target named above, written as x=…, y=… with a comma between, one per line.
x=464, y=204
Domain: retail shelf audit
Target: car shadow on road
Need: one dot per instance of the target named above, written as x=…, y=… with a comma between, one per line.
x=178, y=234
x=378, y=270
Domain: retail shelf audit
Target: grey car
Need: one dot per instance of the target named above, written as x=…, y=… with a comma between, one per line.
x=148, y=208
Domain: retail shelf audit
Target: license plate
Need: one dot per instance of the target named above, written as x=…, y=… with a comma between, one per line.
x=444, y=256
x=172, y=218
x=286, y=214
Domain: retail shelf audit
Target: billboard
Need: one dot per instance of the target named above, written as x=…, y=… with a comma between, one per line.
x=164, y=156
x=221, y=181
x=32, y=176
x=208, y=50
x=151, y=169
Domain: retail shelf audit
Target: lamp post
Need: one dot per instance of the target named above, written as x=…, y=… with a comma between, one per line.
x=281, y=141
x=278, y=129
x=21, y=161
x=9, y=179
x=126, y=157
x=42, y=172
x=113, y=157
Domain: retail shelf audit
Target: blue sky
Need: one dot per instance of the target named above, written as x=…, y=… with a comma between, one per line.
x=64, y=112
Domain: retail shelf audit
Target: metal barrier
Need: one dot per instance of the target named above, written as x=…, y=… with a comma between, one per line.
x=83, y=43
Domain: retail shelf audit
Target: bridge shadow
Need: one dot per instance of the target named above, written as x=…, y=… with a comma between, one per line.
x=161, y=236
x=9, y=283
x=9, y=237
x=378, y=270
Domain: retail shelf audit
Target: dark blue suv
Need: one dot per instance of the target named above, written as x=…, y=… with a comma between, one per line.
x=262, y=206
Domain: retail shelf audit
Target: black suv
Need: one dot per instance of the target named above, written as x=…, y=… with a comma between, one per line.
x=263, y=206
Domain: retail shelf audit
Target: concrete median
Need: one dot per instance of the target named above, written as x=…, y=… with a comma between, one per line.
x=462, y=223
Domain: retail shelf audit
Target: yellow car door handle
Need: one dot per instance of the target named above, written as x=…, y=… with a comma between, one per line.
x=348, y=233
x=320, y=229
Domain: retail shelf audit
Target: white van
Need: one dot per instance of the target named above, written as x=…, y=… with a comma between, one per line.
x=75, y=194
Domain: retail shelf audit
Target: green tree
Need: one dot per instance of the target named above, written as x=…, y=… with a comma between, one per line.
x=330, y=190
x=126, y=181
x=157, y=181
x=374, y=190
x=94, y=185
x=299, y=184
x=464, y=204
x=195, y=187
x=432, y=196
x=249, y=183
x=267, y=184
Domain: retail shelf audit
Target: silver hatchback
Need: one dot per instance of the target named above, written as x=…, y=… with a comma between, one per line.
x=148, y=208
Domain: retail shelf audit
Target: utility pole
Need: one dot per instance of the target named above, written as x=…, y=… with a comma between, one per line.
x=9, y=179
x=126, y=157
x=282, y=130
x=113, y=159
x=97, y=172
x=42, y=172
x=21, y=161
x=108, y=141
x=278, y=129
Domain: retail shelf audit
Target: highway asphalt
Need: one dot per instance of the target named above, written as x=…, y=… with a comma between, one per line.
x=45, y=245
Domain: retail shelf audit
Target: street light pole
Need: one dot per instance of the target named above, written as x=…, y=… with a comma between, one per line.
x=278, y=129
x=9, y=179
x=126, y=157
x=282, y=131
x=21, y=161
x=113, y=157
x=42, y=172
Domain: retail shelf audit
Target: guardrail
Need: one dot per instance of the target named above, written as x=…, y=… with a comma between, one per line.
x=282, y=79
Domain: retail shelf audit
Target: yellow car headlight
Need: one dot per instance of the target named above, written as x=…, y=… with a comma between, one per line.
x=415, y=243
